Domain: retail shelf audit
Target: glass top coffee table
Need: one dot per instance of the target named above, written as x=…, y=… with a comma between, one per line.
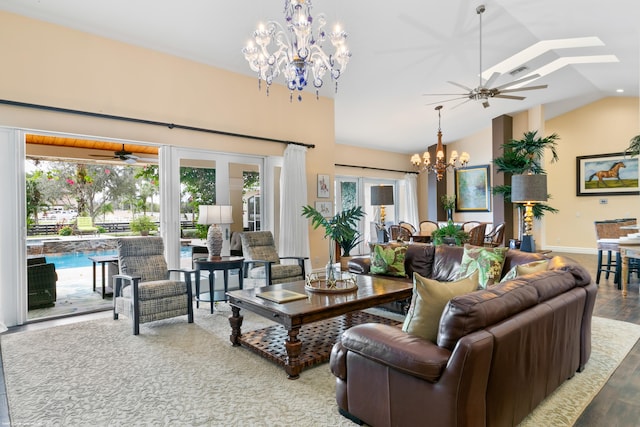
x=308, y=326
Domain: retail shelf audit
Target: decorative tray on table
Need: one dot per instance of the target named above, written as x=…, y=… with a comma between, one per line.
x=343, y=282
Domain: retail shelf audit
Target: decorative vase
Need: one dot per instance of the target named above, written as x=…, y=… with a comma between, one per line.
x=329, y=269
x=214, y=241
x=449, y=214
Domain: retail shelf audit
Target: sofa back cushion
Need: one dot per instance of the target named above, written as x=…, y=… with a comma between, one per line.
x=471, y=312
x=419, y=259
x=446, y=262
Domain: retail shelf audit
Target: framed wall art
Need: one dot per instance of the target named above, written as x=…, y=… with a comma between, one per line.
x=473, y=189
x=607, y=174
x=325, y=208
x=323, y=186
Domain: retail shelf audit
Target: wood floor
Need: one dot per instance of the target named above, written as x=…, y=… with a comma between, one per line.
x=617, y=404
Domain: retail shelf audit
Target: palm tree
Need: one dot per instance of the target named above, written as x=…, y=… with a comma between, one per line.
x=634, y=146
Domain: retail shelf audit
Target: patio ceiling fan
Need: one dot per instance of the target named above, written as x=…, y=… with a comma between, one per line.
x=484, y=91
x=126, y=156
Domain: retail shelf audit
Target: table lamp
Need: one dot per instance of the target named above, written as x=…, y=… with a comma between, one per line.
x=382, y=195
x=528, y=189
x=214, y=215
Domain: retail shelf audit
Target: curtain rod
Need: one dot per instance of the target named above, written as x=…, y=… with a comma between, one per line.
x=148, y=122
x=378, y=169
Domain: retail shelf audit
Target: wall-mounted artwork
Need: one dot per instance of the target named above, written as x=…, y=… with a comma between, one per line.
x=325, y=208
x=323, y=186
x=473, y=189
x=607, y=174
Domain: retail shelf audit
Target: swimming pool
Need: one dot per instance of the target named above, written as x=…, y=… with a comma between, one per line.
x=81, y=259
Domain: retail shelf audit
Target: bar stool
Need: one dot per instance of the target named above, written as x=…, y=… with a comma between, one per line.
x=608, y=233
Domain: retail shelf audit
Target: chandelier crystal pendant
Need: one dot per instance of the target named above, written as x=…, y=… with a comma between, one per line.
x=440, y=166
x=298, y=52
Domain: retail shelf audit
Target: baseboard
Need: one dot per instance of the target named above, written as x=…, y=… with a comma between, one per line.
x=573, y=250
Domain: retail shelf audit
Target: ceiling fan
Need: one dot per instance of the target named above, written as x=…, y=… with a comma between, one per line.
x=126, y=156
x=484, y=91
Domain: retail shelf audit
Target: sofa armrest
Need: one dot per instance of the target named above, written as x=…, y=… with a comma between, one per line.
x=359, y=265
x=390, y=346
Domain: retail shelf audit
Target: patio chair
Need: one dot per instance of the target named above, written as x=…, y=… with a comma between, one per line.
x=84, y=225
x=41, y=283
x=144, y=290
x=262, y=261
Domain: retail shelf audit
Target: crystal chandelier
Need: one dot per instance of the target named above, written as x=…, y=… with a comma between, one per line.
x=297, y=51
x=440, y=165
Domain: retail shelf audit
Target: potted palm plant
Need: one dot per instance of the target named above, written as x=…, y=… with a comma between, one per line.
x=342, y=228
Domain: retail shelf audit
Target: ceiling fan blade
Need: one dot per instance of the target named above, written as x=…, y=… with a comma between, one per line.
x=463, y=102
x=468, y=89
x=444, y=94
x=102, y=156
x=519, y=98
x=515, y=82
x=524, y=88
x=447, y=100
x=492, y=79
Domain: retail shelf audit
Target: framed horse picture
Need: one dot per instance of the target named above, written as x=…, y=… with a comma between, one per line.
x=607, y=174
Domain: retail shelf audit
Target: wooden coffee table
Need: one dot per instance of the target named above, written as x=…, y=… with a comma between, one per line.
x=319, y=319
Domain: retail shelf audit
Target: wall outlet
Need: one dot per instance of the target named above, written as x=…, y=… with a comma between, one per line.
x=604, y=201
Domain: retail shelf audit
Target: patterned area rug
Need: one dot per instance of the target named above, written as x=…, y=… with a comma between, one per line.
x=177, y=374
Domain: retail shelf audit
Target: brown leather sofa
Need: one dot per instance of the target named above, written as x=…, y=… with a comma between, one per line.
x=440, y=262
x=498, y=354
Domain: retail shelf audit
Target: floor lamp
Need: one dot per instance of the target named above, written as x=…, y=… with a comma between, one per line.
x=528, y=189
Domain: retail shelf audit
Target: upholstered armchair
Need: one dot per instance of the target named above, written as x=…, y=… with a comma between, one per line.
x=263, y=262
x=144, y=290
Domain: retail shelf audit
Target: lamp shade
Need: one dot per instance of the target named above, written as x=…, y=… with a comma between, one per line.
x=381, y=195
x=528, y=188
x=215, y=214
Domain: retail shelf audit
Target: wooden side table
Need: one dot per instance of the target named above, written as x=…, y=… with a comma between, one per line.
x=224, y=264
x=626, y=252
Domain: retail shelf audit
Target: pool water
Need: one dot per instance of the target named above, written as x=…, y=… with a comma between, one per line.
x=81, y=259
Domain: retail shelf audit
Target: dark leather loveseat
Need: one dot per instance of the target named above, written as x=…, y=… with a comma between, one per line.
x=499, y=351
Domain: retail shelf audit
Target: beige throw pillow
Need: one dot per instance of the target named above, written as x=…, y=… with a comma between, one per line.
x=524, y=269
x=428, y=301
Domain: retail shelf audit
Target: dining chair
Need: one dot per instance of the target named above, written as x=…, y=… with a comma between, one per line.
x=428, y=227
x=468, y=225
x=476, y=234
x=495, y=237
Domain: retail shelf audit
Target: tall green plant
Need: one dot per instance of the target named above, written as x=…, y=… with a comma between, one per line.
x=634, y=146
x=524, y=156
x=342, y=228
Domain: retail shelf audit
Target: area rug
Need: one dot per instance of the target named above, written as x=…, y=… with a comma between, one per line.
x=177, y=374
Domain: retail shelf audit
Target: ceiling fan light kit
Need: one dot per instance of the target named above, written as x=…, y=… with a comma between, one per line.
x=484, y=91
x=126, y=156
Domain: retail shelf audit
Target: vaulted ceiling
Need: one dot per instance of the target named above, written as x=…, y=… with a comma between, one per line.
x=401, y=50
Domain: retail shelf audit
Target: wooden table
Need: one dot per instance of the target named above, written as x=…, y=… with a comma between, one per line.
x=102, y=259
x=341, y=308
x=224, y=263
x=626, y=252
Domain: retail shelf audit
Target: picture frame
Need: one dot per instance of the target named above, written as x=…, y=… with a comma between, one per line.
x=473, y=185
x=325, y=208
x=324, y=186
x=612, y=174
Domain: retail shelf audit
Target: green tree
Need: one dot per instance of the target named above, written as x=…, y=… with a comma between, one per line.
x=523, y=156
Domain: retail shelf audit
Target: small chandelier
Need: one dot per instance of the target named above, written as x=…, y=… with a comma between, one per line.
x=298, y=51
x=440, y=166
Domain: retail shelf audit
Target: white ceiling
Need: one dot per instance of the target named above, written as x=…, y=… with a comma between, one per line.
x=401, y=50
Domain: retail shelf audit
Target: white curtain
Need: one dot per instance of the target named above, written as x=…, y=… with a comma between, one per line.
x=412, y=199
x=294, y=228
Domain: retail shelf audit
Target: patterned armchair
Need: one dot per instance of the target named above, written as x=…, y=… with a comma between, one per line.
x=144, y=290
x=263, y=262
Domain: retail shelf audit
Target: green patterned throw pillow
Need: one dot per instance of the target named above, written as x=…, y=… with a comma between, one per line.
x=388, y=259
x=488, y=262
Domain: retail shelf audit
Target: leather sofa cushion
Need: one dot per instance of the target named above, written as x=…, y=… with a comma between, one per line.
x=471, y=312
x=419, y=259
x=392, y=347
x=446, y=262
x=563, y=263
